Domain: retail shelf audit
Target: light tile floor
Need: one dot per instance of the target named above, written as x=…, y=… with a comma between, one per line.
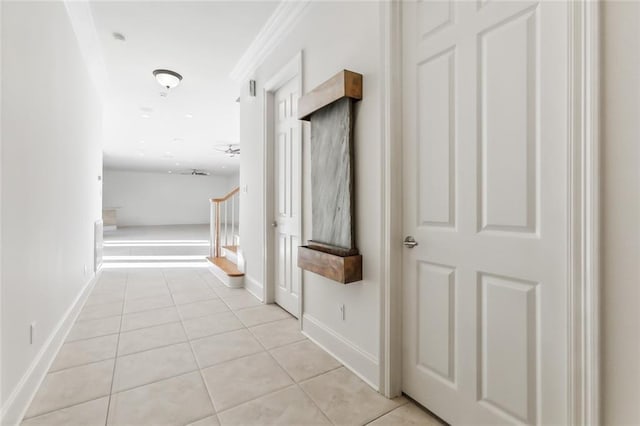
x=173, y=346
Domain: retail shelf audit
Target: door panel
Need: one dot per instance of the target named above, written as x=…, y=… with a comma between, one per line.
x=436, y=130
x=485, y=171
x=436, y=319
x=508, y=107
x=287, y=214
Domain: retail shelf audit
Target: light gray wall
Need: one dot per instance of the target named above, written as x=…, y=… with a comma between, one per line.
x=51, y=160
x=146, y=198
x=621, y=213
x=333, y=36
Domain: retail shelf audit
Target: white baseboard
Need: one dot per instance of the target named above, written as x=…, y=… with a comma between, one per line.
x=361, y=363
x=254, y=287
x=18, y=402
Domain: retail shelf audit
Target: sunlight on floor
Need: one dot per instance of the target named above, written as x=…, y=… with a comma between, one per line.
x=179, y=246
x=127, y=265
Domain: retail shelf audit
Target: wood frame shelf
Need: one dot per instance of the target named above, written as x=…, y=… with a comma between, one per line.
x=343, y=269
x=345, y=84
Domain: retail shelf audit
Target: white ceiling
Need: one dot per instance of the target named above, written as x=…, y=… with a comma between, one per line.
x=200, y=40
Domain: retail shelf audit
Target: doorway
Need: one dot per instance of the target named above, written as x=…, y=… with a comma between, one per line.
x=284, y=187
x=486, y=179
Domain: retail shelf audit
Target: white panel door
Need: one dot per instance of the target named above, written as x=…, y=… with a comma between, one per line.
x=485, y=181
x=287, y=192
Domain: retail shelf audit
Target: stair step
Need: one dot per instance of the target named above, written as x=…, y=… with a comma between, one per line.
x=226, y=265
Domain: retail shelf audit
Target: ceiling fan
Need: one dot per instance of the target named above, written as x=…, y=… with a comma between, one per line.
x=231, y=150
x=194, y=172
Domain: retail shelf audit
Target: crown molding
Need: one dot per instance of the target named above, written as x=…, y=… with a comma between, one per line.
x=277, y=27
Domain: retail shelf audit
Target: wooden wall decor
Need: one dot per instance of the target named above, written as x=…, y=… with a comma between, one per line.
x=332, y=250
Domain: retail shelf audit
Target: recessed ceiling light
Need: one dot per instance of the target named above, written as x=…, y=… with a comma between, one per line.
x=188, y=116
x=119, y=36
x=167, y=78
x=145, y=115
x=177, y=164
x=169, y=172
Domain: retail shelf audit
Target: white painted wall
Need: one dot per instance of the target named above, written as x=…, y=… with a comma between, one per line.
x=621, y=213
x=51, y=160
x=233, y=181
x=147, y=198
x=333, y=36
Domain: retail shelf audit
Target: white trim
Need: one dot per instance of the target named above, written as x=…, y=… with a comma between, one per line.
x=277, y=27
x=1, y=243
x=360, y=362
x=391, y=207
x=254, y=287
x=584, y=235
x=18, y=402
x=293, y=69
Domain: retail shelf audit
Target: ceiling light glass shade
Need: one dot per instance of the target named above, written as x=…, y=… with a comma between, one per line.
x=167, y=78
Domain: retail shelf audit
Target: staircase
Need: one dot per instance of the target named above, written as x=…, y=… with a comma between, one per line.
x=225, y=242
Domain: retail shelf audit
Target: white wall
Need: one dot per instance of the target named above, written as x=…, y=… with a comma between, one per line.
x=51, y=160
x=621, y=213
x=146, y=198
x=333, y=36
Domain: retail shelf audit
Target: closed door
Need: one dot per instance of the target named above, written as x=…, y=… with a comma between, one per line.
x=287, y=192
x=485, y=178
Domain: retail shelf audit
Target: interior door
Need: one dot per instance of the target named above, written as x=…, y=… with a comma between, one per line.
x=485, y=178
x=287, y=192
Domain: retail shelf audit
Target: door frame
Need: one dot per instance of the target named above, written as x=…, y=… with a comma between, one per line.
x=583, y=238
x=290, y=70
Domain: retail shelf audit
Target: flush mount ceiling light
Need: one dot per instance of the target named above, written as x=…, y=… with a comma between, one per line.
x=167, y=78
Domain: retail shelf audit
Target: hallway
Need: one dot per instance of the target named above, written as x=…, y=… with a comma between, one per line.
x=440, y=197
x=176, y=347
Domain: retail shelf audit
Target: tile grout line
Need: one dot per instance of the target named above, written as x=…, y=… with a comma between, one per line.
x=288, y=374
x=63, y=408
x=388, y=412
x=97, y=361
x=115, y=361
x=185, y=373
x=346, y=369
x=76, y=366
x=244, y=356
x=199, y=368
x=195, y=358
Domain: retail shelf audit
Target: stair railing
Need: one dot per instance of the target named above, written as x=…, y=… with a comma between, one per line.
x=224, y=221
